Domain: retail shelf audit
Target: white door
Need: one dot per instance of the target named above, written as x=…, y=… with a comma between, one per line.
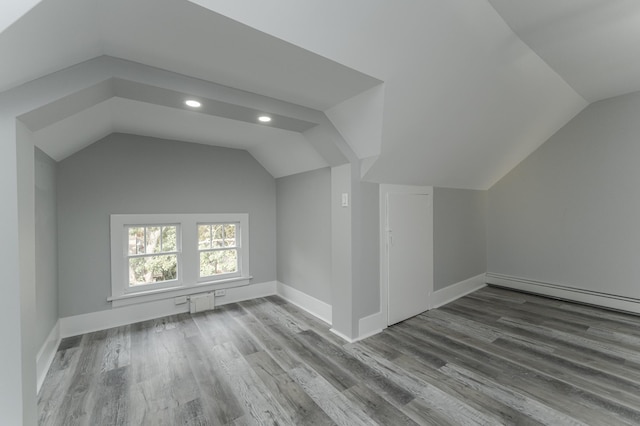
x=410, y=254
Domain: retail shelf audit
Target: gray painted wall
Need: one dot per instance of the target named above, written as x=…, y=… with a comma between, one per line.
x=459, y=235
x=304, y=232
x=569, y=214
x=46, y=246
x=133, y=174
x=341, y=251
x=367, y=288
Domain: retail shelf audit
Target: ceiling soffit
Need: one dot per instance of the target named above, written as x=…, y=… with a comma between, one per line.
x=282, y=154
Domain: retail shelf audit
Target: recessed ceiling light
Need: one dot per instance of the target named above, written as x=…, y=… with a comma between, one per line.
x=264, y=118
x=193, y=103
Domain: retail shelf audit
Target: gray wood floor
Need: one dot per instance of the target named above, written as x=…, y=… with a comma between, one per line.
x=493, y=357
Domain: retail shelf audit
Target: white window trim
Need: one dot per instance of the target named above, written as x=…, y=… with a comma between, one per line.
x=189, y=281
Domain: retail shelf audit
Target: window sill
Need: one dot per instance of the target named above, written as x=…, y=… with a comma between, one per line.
x=168, y=293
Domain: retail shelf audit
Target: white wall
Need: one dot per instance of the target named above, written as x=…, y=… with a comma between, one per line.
x=303, y=218
x=459, y=235
x=569, y=214
x=46, y=246
x=17, y=317
x=26, y=248
x=134, y=174
x=10, y=376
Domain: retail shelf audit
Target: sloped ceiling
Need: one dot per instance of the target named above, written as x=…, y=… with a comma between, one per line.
x=470, y=87
x=188, y=41
x=465, y=100
x=175, y=35
x=592, y=44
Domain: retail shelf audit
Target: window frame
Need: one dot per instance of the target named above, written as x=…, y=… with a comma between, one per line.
x=236, y=247
x=188, y=280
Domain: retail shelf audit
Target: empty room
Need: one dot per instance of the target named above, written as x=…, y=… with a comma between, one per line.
x=356, y=212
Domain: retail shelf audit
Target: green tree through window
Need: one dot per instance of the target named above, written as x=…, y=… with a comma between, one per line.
x=152, y=254
x=218, y=248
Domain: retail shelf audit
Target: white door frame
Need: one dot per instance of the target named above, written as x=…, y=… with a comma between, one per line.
x=385, y=190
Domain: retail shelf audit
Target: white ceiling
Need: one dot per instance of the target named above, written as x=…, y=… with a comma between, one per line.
x=465, y=97
x=593, y=44
x=183, y=38
x=175, y=35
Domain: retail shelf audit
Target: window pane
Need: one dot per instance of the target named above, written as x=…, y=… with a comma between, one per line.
x=153, y=239
x=218, y=262
x=136, y=240
x=230, y=235
x=152, y=269
x=169, y=238
x=204, y=237
x=218, y=235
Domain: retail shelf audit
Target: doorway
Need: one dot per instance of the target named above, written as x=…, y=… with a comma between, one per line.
x=406, y=250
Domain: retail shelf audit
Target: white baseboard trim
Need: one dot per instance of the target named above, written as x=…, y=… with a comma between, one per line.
x=343, y=336
x=116, y=317
x=449, y=294
x=367, y=327
x=375, y=323
x=370, y=325
x=315, y=307
x=252, y=291
x=559, y=291
x=47, y=353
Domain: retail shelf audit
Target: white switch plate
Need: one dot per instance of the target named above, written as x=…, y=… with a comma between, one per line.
x=345, y=199
x=221, y=292
x=180, y=300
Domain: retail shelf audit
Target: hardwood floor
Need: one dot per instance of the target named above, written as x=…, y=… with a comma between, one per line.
x=493, y=357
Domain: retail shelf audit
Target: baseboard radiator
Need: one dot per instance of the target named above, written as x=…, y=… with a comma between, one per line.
x=202, y=302
x=563, y=292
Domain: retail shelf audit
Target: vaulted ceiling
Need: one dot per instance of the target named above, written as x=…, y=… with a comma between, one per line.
x=591, y=44
x=438, y=93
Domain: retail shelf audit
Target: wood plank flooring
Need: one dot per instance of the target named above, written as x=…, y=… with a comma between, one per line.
x=492, y=357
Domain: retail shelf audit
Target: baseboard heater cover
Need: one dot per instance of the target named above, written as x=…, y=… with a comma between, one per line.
x=557, y=291
x=202, y=302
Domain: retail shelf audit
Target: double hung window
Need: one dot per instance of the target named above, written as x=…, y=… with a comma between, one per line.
x=160, y=256
x=218, y=249
x=152, y=254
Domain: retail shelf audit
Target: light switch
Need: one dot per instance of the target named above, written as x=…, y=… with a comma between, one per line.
x=345, y=199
